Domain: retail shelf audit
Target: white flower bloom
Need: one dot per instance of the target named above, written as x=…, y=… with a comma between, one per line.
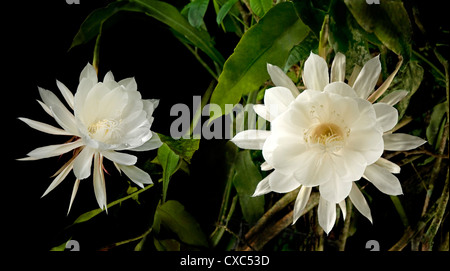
x=328, y=136
x=109, y=116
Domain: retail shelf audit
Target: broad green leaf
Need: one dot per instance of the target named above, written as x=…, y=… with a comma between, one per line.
x=245, y=180
x=311, y=15
x=435, y=128
x=260, y=7
x=185, y=148
x=388, y=20
x=301, y=51
x=408, y=79
x=269, y=41
x=197, y=10
x=169, y=162
x=173, y=216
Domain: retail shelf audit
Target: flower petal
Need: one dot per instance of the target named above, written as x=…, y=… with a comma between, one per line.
x=338, y=68
x=315, y=72
x=391, y=167
x=282, y=183
x=280, y=79
x=120, y=158
x=360, y=202
x=67, y=94
x=89, y=72
x=251, y=139
x=54, y=150
x=327, y=214
x=137, y=175
x=262, y=111
x=44, y=127
x=368, y=77
x=383, y=180
x=99, y=181
x=301, y=201
x=263, y=187
x=387, y=116
x=153, y=143
x=335, y=190
x=74, y=193
x=83, y=162
x=394, y=97
x=340, y=88
x=401, y=142
x=61, y=176
x=277, y=100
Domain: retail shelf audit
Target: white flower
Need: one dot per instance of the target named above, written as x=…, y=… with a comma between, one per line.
x=109, y=116
x=328, y=136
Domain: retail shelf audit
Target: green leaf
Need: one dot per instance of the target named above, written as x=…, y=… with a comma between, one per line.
x=435, y=128
x=301, y=51
x=269, y=41
x=245, y=180
x=224, y=10
x=185, y=148
x=310, y=14
x=173, y=216
x=388, y=20
x=260, y=7
x=408, y=79
x=169, y=162
x=197, y=10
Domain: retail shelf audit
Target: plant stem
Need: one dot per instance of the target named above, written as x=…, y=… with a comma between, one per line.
x=344, y=234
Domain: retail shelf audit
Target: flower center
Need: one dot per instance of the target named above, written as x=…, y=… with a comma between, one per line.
x=328, y=135
x=104, y=130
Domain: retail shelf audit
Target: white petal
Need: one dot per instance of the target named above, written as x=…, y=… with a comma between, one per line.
x=262, y=111
x=109, y=76
x=338, y=68
x=340, y=88
x=327, y=214
x=387, y=116
x=137, y=175
x=391, y=167
x=67, y=94
x=44, y=127
x=280, y=79
x=74, y=193
x=89, y=73
x=334, y=190
x=282, y=183
x=45, y=107
x=315, y=72
x=394, y=97
x=99, y=182
x=65, y=119
x=153, y=143
x=277, y=99
x=301, y=201
x=368, y=77
x=401, y=142
x=266, y=166
x=61, y=176
x=83, y=162
x=120, y=158
x=54, y=150
x=360, y=202
x=251, y=139
x=129, y=84
x=383, y=180
x=262, y=188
